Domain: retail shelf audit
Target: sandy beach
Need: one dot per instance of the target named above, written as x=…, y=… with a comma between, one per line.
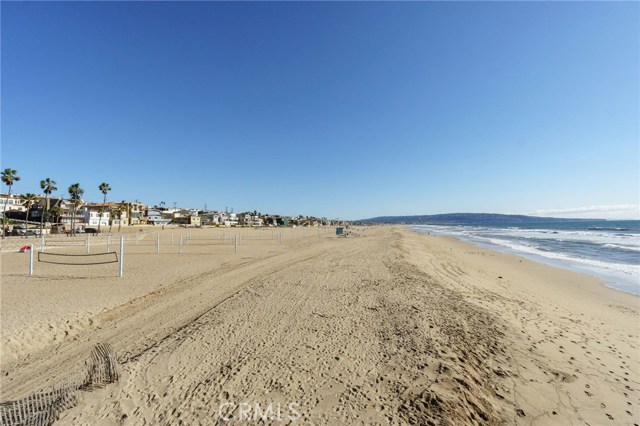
x=386, y=326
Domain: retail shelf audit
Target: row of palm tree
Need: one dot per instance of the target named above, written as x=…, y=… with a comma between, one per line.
x=48, y=186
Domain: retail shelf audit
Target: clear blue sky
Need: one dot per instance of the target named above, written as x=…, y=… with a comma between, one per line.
x=345, y=110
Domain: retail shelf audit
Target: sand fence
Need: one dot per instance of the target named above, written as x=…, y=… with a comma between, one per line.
x=42, y=408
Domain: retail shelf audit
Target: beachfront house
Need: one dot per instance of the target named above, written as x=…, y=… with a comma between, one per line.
x=274, y=220
x=156, y=217
x=94, y=215
x=120, y=218
x=68, y=216
x=231, y=219
x=44, y=206
x=187, y=218
x=212, y=218
x=190, y=220
x=134, y=212
x=244, y=219
x=250, y=219
x=13, y=203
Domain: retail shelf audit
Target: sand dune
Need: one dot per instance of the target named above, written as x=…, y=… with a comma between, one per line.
x=390, y=327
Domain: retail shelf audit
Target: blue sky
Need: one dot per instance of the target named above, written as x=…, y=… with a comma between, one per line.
x=345, y=110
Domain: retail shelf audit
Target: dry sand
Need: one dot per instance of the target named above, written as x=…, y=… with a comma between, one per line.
x=388, y=327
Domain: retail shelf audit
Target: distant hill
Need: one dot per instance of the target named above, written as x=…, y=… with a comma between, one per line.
x=464, y=218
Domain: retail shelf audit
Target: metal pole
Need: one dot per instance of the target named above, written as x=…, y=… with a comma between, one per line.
x=180, y=245
x=88, y=243
x=236, y=246
x=42, y=242
x=158, y=243
x=121, y=254
x=108, y=243
x=172, y=238
x=31, y=259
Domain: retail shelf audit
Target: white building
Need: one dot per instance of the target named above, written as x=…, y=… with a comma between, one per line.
x=92, y=216
x=157, y=217
x=230, y=219
x=13, y=203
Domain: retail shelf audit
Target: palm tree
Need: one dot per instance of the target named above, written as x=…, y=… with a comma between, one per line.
x=104, y=188
x=28, y=200
x=55, y=211
x=118, y=213
x=9, y=176
x=48, y=185
x=75, y=193
x=112, y=216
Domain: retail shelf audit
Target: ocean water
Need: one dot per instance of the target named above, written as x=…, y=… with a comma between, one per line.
x=609, y=250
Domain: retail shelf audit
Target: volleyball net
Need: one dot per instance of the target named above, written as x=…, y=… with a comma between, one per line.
x=78, y=259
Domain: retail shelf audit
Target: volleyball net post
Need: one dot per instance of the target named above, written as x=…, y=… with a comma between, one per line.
x=31, y=259
x=121, y=260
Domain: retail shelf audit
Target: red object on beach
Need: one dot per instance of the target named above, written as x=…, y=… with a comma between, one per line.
x=25, y=248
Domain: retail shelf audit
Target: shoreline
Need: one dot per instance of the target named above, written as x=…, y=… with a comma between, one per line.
x=607, y=278
x=580, y=279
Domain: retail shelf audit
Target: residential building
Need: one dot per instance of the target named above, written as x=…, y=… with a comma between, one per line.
x=14, y=203
x=156, y=217
x=211, y=218
x=230, y=219
x=96, y=214
x=244, y=219
x=249, y=219
x=187, y=220
x=118, y=219
x=36, y=212
x=135, y=212
x=186, y=217
x=68, y=216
